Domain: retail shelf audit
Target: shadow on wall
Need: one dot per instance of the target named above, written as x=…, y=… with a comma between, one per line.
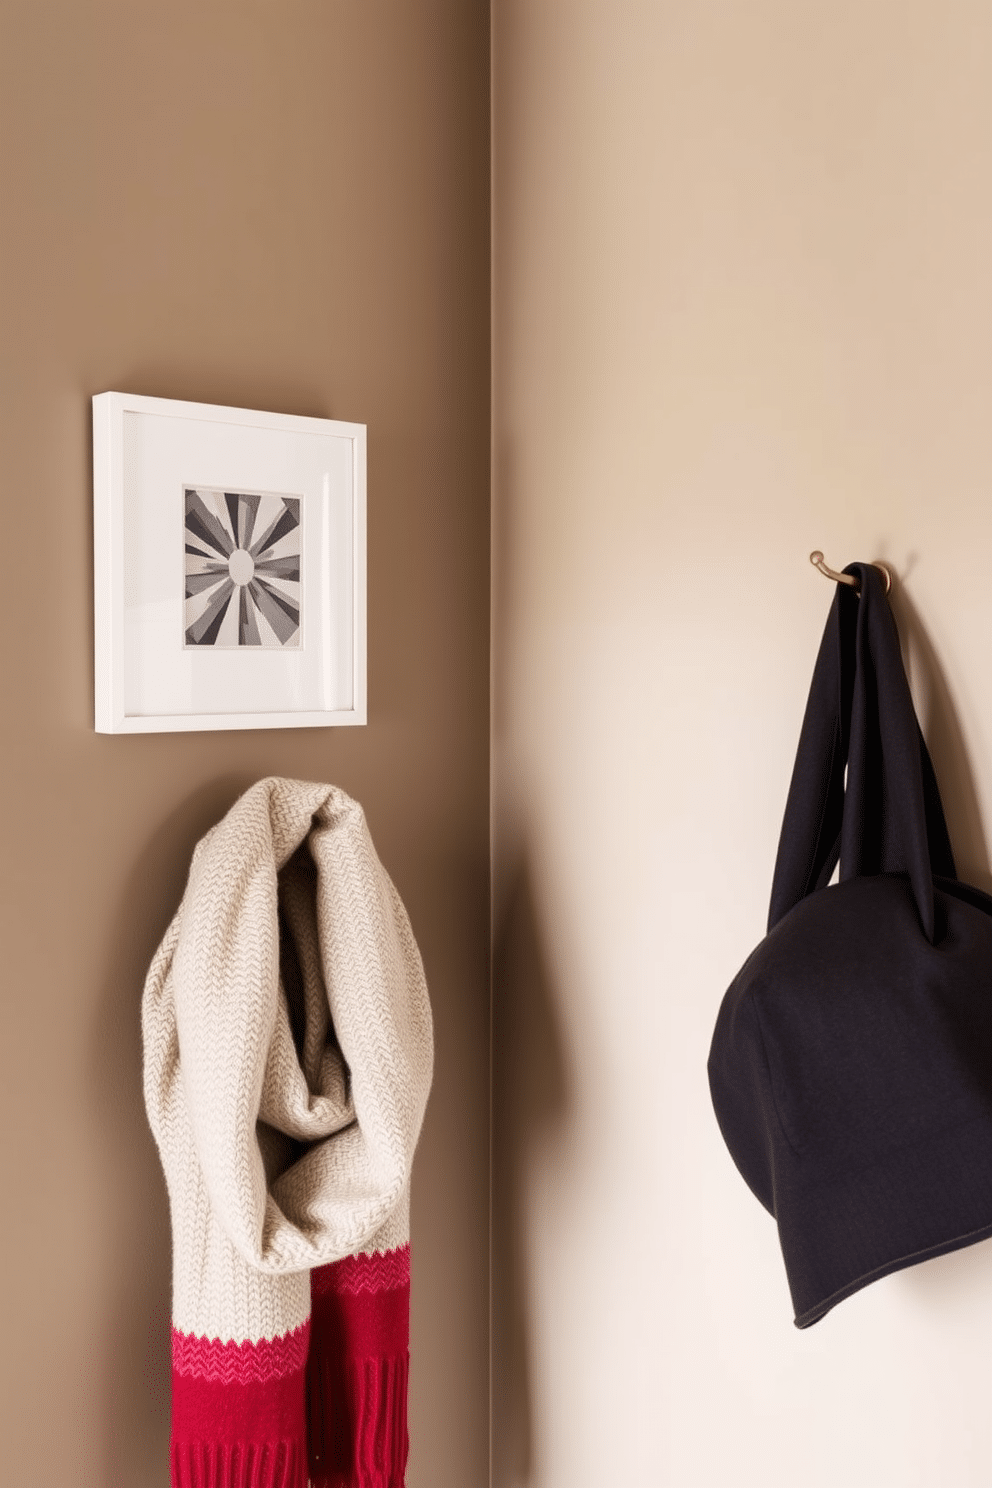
x=531, y=1098
x=955, y=776
x=133, y=1354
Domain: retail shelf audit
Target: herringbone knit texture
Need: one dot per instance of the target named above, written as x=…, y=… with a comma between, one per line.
x=288, y=1058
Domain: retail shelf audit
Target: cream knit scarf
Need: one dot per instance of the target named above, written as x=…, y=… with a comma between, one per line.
x=288, y=1057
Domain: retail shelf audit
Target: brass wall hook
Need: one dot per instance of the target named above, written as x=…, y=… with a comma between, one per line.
x=817, y=560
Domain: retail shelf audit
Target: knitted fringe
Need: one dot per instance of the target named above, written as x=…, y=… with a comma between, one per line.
x=238, y=1465
x=358, y=1423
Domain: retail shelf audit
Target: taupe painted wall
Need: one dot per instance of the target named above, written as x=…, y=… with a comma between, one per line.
x=282, y=206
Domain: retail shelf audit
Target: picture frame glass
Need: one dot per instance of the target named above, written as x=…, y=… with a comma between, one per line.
x=239, y=579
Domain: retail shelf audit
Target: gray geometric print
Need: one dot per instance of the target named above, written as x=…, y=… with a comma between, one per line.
x=243, y=581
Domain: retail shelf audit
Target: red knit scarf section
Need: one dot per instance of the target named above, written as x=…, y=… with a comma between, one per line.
x=324, y=1405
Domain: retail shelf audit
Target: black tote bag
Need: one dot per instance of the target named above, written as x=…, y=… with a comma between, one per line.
x=851, y=1063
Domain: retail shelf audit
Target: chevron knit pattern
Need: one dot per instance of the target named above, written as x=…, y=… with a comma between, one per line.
x=288, y=1058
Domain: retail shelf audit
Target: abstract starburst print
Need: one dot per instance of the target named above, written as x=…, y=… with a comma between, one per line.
x=242, y=569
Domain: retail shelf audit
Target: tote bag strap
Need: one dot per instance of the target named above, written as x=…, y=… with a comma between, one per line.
x=888, y=818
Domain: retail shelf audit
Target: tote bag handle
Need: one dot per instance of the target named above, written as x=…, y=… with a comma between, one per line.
x=860, y=716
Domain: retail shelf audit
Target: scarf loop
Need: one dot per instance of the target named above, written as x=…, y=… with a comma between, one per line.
x=288, y=1055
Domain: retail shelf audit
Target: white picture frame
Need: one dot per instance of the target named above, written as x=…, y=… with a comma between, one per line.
x=192, y=500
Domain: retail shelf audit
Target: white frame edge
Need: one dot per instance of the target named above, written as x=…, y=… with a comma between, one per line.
x=108, y=567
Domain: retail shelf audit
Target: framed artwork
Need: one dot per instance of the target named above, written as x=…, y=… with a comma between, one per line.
x=229, y=561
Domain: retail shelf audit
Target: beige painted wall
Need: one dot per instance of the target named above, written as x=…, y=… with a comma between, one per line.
x=743, y=310
x=283, y=206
